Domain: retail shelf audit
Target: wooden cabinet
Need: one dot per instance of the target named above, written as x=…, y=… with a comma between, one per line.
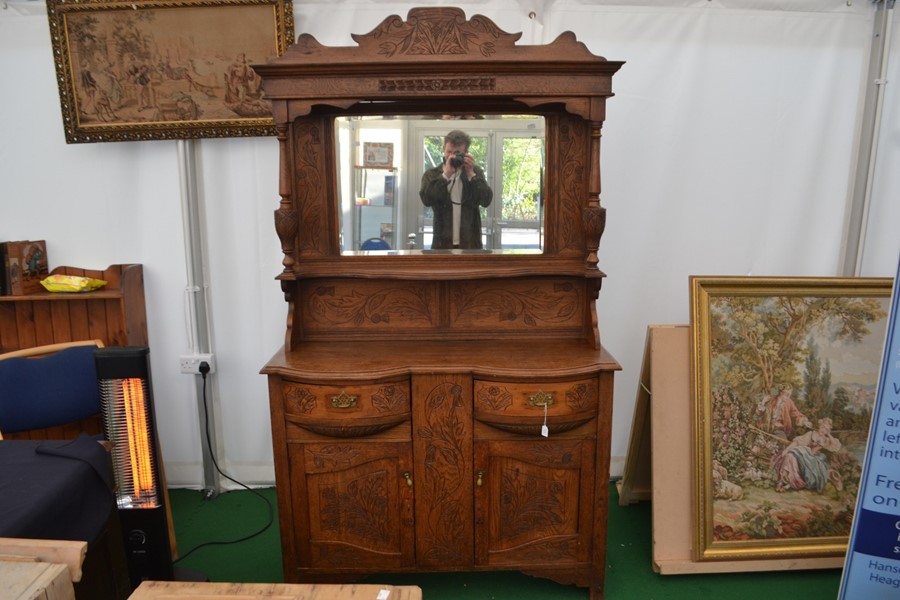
x=446, y=410
x=442, y=468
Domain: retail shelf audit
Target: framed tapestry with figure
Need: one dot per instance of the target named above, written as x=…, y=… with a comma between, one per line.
x=784, y=377
x=146, y=70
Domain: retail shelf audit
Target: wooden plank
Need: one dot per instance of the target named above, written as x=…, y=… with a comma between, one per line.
x=78, y=320
x=170, y=590
x=635, y=484
x=66, y=552
x=35, y=580
x=9, y=335
x=43, y=324
x=115, y=323
x=672, y=464
x=132, y=286
x=60, y=323
x=25, y=325
x=97, y=321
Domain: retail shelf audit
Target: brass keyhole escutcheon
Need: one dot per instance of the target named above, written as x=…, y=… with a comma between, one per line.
x=480, y=481
x=344, y=400
x=408, y=478
x=541, y=399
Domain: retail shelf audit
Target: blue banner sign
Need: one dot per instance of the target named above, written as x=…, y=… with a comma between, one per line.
x=872, y=566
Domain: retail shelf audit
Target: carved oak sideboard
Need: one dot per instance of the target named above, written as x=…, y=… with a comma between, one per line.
x=441, y=411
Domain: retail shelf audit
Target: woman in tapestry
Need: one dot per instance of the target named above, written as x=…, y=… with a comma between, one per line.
x=804, y=464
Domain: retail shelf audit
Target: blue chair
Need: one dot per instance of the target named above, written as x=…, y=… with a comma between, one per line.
x=374, y=244
x=40, y=390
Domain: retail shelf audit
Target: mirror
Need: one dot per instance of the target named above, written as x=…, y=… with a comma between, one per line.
x=381, y=163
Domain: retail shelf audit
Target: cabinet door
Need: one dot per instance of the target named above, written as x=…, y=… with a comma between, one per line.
x=359, y=504
x=533, y=502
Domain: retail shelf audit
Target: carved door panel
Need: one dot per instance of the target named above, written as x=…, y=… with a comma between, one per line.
x=442, y=440
x=533, y=502
x=358, y=497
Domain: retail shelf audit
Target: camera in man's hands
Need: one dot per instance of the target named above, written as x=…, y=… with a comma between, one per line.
x=457, y=160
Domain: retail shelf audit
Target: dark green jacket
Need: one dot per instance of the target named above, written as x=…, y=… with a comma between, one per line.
x=476, y=193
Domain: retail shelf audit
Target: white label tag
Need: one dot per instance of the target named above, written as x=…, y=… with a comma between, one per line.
x=383, y=595
x=545, y=431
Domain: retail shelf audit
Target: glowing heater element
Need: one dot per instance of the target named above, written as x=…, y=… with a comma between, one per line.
x=127, y=419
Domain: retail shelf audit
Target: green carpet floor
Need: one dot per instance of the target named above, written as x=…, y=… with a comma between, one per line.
x=629, y=574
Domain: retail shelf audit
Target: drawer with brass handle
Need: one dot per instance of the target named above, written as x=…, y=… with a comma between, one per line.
x=346, y=410
x=525, y=407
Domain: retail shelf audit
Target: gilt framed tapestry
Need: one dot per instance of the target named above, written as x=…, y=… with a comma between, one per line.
x=148, y=70
x=784, y=378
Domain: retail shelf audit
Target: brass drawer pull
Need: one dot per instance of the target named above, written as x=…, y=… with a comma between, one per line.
x=408, y=478
x=344, y=400
x=480, y=481
x=541, y=399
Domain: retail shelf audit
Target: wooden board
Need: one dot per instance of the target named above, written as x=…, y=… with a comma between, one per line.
x=168, y=590
x=66, y=552
x=674, y=514
x=35, y=581
x=635, y=484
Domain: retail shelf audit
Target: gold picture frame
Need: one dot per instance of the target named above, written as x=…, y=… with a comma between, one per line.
x=150, y=70
x=784, y=375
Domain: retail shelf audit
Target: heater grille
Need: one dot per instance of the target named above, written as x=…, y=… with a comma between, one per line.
x=128, y=425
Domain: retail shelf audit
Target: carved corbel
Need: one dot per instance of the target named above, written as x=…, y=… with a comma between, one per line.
x=286, y=220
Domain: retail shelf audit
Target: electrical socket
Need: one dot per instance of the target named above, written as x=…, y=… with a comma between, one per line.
x=190, y=363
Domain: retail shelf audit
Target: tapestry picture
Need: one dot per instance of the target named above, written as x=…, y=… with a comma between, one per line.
x=785, y=375
x=180, y=70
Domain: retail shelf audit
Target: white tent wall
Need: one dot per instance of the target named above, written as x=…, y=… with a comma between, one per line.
x=882, y=235
x=728, y=150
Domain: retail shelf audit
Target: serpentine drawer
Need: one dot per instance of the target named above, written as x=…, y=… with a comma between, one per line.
x=354, y=410
x=525, y=407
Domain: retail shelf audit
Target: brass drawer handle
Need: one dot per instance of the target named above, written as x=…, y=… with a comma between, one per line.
x=344, y=400
x=480, y=481
x=408, y=478
x=541, y=399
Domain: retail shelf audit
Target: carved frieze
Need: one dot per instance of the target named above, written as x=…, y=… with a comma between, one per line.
x=526, y=304
x=342, y=305
x=438, y=84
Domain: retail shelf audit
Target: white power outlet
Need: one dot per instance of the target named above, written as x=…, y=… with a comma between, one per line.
x=190, y=363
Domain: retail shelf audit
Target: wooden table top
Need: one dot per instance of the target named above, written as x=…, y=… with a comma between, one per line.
x=177, y=590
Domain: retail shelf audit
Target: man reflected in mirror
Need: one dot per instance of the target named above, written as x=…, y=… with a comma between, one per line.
x=455, y=190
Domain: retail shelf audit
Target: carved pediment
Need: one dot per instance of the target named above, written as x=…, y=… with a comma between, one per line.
x=436, y=34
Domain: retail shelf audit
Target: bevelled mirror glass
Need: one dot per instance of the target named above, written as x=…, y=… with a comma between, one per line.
x=382, y=160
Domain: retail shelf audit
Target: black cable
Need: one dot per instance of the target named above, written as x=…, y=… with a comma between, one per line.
x=271, y=517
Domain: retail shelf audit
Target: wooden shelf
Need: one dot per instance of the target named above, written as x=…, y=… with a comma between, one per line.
x=115, y=314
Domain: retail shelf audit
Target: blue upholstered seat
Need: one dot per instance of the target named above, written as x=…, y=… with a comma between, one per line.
x=375, y=244
x=51, y=390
